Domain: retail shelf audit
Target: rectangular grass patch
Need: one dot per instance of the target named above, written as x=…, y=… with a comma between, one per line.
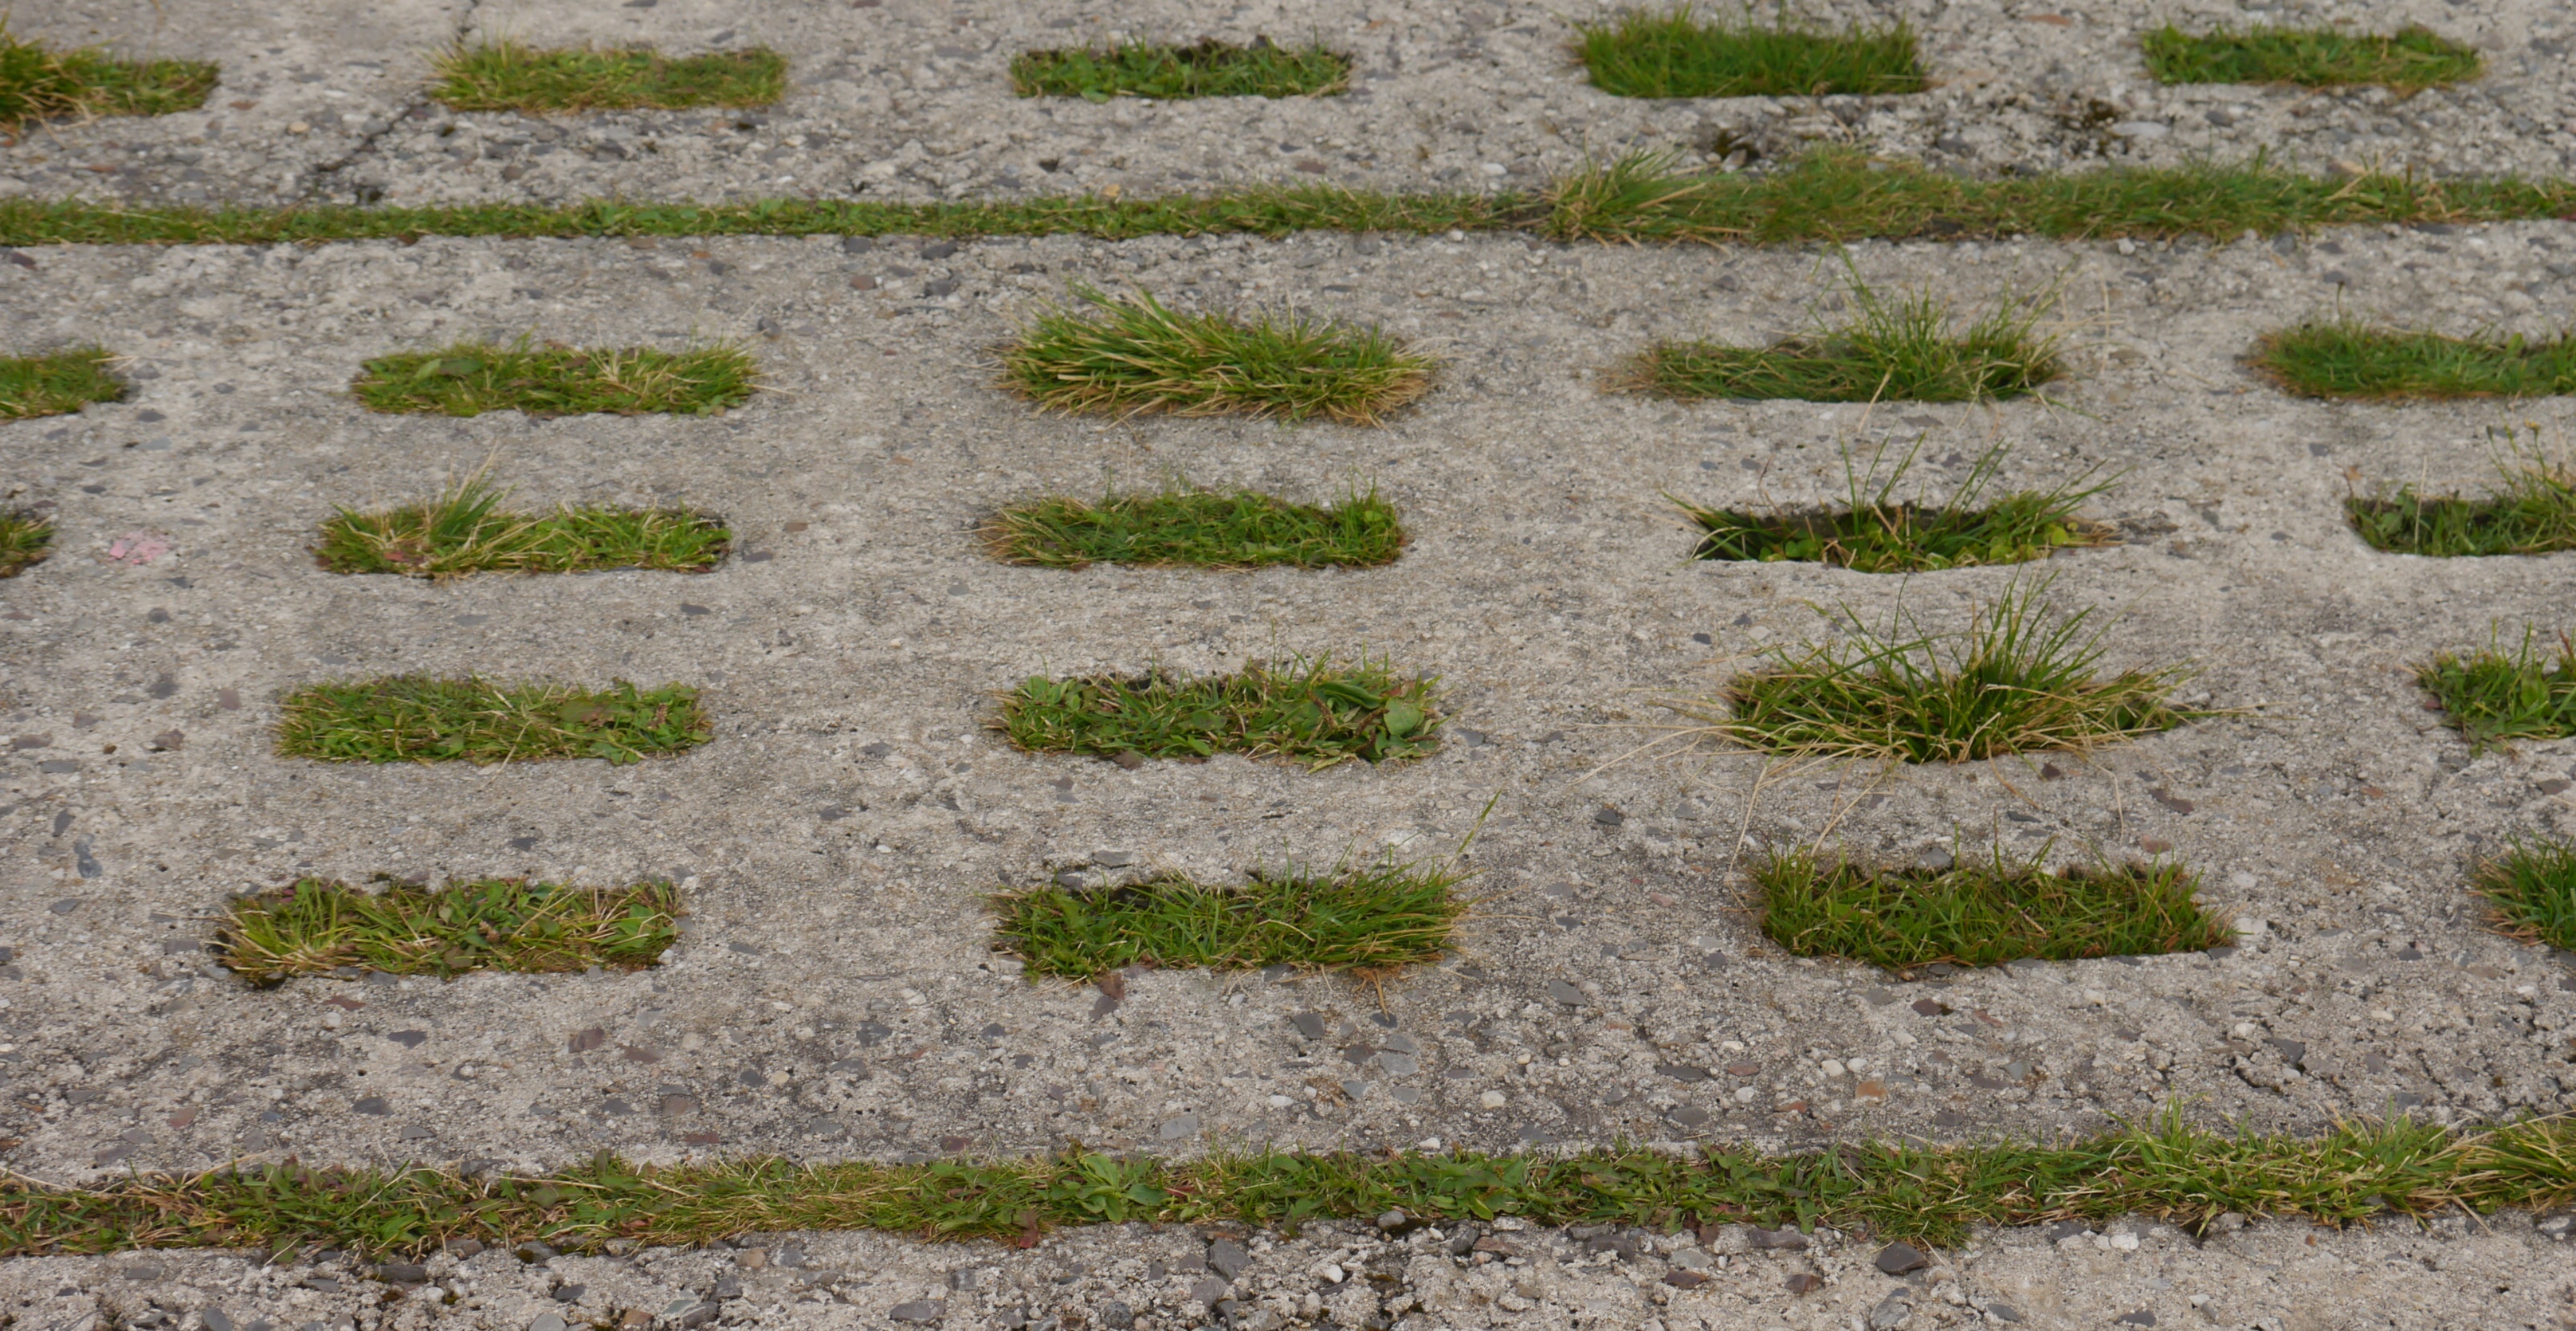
x=1878, y=533
x=2532, y=512
x=1900, y=351
x=2405, y=60
x=1318, y=712
x=1352, y=918
x=1643, y=53
x=2495, y=697
x=40, y=83
x=507, y=76
x=1131, y=354
x=1208, y=68
x=1201, y=528
x=1981, y=913
x=315, y=927
x=471, y=378
x=57, y=383
x=466, y=531
x=25, y=540
x=414, y=718
x=2532, y=887
x=2345, y=358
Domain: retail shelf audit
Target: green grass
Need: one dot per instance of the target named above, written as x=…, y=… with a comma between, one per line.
x=471, y=378
x=413, y=718
x=2532, y=887
x=2406, y=60
x=506, y=76
x=1356, y=917
x=1878, y=533
x=1641, y=53
x=2495, y=697
x=1124, y=355
x=2533, y=512
x=314, y=927
x=1208, y=68
x=1901, y=350
x=1981, y=914
x=40, y=83
x=2165, y=1169
x=57, y=383
x=2020, y=679
x=1318, y=712
x=2347, y=359
x=1828, y=196
x=25, y=540
x=465, y=530
x=1204, y=528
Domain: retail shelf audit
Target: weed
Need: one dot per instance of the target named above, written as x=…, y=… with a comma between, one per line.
x=1134, y=355
x=412, y=718
x=471, y=378
x=1207, y=528
x=1881, y=534
x=506, y=76
x=1362, y=917
x=1209, y=68
x=2533, y=886
x=2495, y=697
x=1890, y=351
x=56, y=384
x=25, y=539
x=464, y=531
x=40, y=83
x=1640, y=53
x=2346, y=358
x=1318, y=712
x=2533, y=512
x=2409, y=59
x=2019, y=679
x=314, y=927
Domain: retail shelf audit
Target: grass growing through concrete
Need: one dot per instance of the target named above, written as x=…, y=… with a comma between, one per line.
x=1130, y=354
x=471, y=378
x=25, y=540
x=1356, y=917
x=1204, y=528
x=38, y=82
x=465, y=531
x=2496, y=697
x=507, y=76
x=1208, y=68
x=2348, y=359
x=2020, y=679
x=2532, y=888
x=1980, y=913
x=1318, y=711
x=2405, y=60
x=2533, y=512
x=56, y=383
x=414, y=718
x=2166, y=1169
x=1901, y=350
x=1643, y=53
x=1879, y=533
x=315, y=927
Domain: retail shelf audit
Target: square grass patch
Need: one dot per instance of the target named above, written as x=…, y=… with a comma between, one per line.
x=1353, y=918
x=2495, y=697
x=2345, y=358
x=471, y=378
x=1673, y=53
x=57, y=383
x=1878, y=533
x=1208, y=68
x=2407, y=59
x=414, y=718
x=1228, y=529
x=38, y=82
x=1318, y=712
x=1124, y=355
x=467, y=531
x=1905, y=350
x=2532, y=889
x=2532, y=512
x=1981, y=913
x=506, y=76
x=25, y=539
x=316, y=927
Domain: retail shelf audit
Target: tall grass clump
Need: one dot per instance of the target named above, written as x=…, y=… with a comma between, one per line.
x=2495, y=697
x=2408, y=59
x=1207, y=68
x=1352, y=917
x=39, y=82
x=2345, y=358
x=1879, y=533
x=2532, y=512
x=509, y=76
x=465, y=530
x=1673, y=53
x=1907, y=349
x=25, y=539
x=315, y=927
x=1201, y=528
x=1125, y=355
x=2532, y=889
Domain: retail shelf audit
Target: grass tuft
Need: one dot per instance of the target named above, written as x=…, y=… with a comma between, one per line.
x=2533, y=512
x=1131, y=354
x=1881, y=534
x=314, y=927
x=506, y=76
x=1208, y=68
x=57, y=383
x=2495, y=697
x=1981, y=914
x=2348, y=359
x=1357, y=917
x=1641, y=53
x=25, y=540
x=1890, y=351
x=471, y=378
x=40, y=83
x=1204, y=528
x=2532, y=887
x=2406, y=60
x=2020, y=679
x=1318, y=712
x=413, y=718
x=465, y=531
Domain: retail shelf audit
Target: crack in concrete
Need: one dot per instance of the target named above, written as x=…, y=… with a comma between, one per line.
x=325, y=174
